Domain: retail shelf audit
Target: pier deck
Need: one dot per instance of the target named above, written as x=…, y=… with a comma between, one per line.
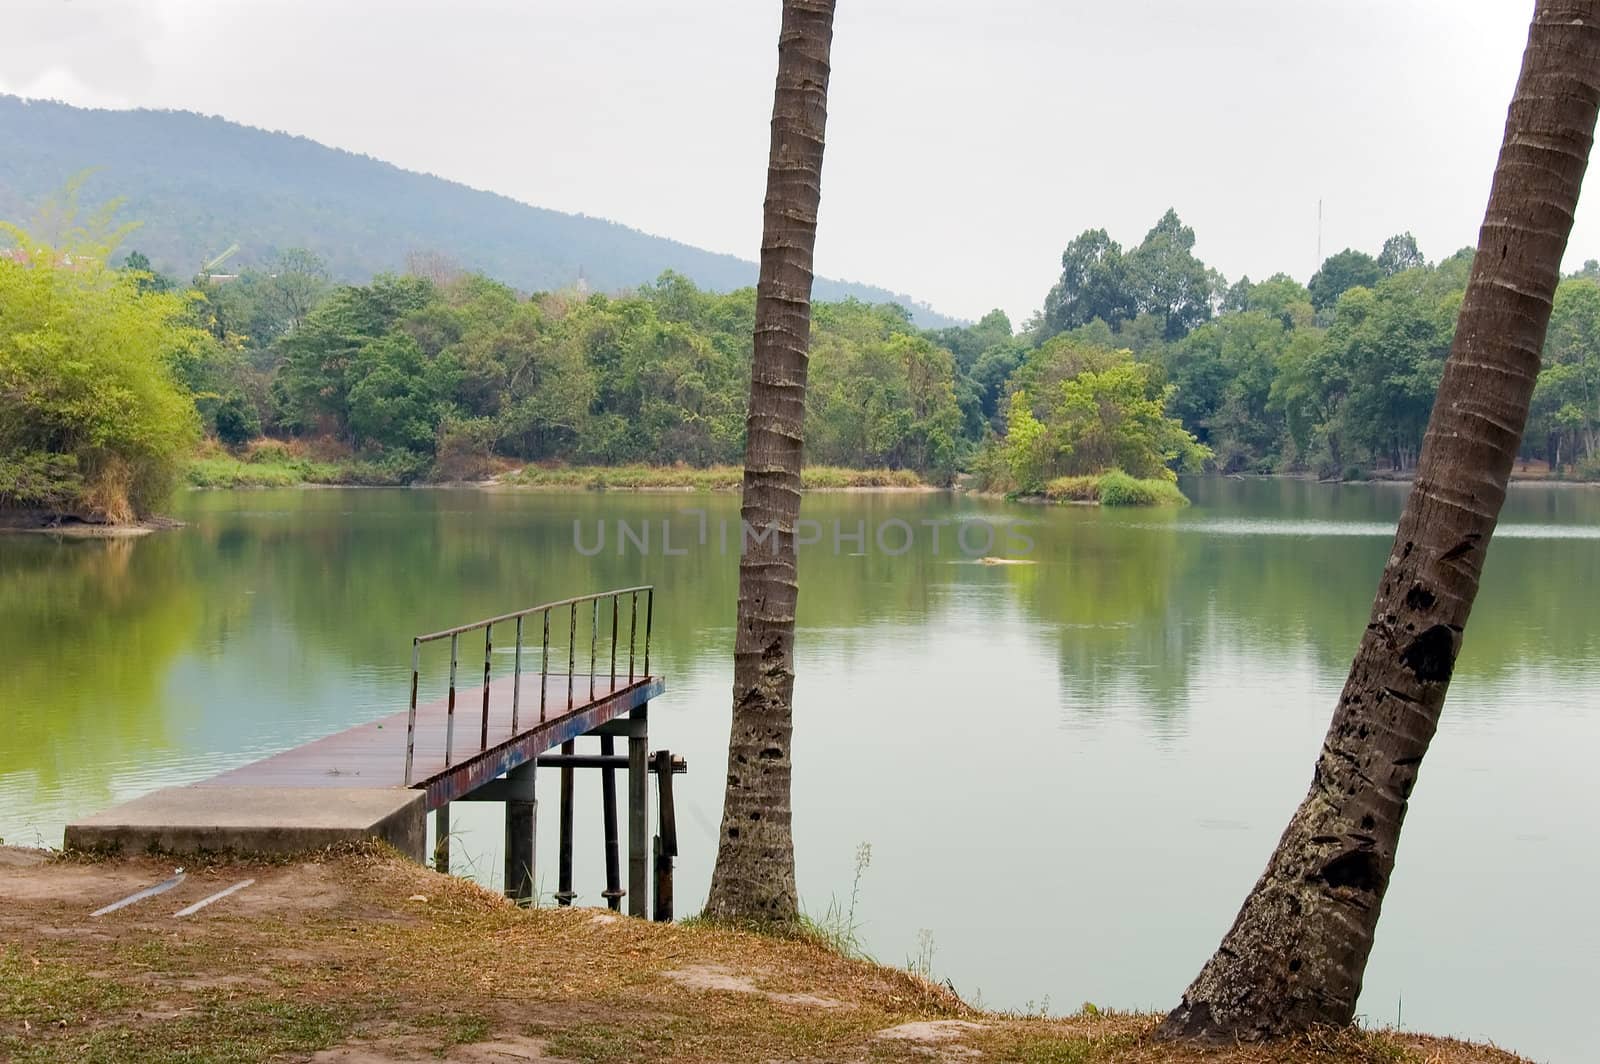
x=381, y=779
x=283, y=802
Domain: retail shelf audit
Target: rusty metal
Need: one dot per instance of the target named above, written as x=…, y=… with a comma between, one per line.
x=544, y=664
x=373, y=754
x=604, y=760
x=450, y=713
x=488, y=652
x=451, y=784
x=461, y=629
x=516, y=680
x=544, y=610
x=411, y=714
x=649, y=614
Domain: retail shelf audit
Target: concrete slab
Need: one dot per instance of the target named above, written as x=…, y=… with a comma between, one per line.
x=268, y=820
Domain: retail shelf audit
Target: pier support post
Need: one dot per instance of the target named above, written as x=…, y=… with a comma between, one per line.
x=638, y=815
x=564, y=894
x=667, y=841
x=520, y=843
x=441, y=839
x=608, y=801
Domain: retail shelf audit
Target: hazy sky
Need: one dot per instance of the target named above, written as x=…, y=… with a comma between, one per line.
x=967, y=141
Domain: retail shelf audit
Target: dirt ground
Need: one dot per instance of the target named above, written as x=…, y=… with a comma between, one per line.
x=364, y=958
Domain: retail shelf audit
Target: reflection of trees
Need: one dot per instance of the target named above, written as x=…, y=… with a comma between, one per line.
x=279, y=615
x=90, y=631
x=1105, y=589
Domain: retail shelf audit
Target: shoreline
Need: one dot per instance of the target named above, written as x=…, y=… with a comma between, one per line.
x=359, y=954
x=42, y=523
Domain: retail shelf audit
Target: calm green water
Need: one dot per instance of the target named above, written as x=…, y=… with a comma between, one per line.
x=1069, y=772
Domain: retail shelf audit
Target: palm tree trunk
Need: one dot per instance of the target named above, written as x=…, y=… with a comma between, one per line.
x=1298, y=949
x=753, y=881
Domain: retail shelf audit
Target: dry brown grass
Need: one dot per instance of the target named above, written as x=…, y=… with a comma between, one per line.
x=366, y=950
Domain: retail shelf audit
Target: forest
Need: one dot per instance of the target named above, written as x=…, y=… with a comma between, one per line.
x=1143, y=362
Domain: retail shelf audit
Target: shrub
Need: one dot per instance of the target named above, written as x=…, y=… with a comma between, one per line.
x=1119, y=489
x=237, y=421
x=86, y=374
x=39, y=481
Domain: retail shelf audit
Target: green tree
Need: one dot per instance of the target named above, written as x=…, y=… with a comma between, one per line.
x=1095, y=283
x=92, y=417
x=1167, y=279
x=1108, y=414
x=1400, y=254
x=147, y=277
x=1221, y=377
x=1341, y=272
x=318, y=358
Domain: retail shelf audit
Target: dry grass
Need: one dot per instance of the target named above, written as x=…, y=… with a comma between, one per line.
x=368, y=950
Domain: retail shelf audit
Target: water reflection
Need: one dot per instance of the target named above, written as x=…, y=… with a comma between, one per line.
x=1096, y=749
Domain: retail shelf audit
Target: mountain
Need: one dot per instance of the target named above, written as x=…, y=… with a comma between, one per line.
x=200, y=184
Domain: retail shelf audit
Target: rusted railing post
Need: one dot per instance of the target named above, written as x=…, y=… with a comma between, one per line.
x=516, y=678
x=572, y=652
x=411, y=714
x=450, y=708
x=544, y=664
x=594, y=639
x=488, y=652
x=649, y=614
x=611, y=674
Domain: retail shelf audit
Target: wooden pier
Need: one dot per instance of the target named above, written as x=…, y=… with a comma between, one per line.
x=484, y=743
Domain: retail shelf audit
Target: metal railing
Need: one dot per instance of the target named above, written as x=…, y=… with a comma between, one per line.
x=488, y=625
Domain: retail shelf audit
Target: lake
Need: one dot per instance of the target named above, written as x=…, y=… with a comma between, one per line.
x=1069, y=772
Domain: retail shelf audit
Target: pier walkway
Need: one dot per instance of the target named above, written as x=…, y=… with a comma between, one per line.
x=380, y=779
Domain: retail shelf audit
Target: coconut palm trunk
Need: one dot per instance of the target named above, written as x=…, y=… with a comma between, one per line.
x=1298, y=949
x=754, y=877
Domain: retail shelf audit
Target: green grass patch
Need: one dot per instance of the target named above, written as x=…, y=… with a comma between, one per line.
x=1119, y=489
x=1115, y=488
x=221, y=1031
x=277, y=466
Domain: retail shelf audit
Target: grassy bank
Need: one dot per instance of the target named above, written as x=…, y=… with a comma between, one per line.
x=383, y=960
x=270, y=464
x=1114, y=488
x=687, y=478
x=279, y=465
